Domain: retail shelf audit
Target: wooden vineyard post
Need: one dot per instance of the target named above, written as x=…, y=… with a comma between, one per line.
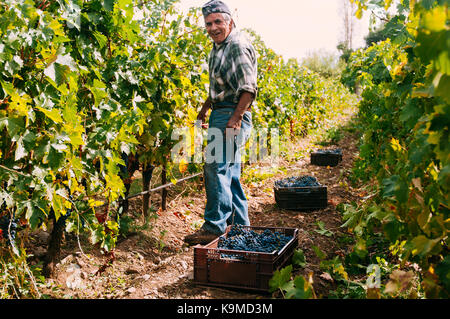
x=147, y=173
x=164, y=190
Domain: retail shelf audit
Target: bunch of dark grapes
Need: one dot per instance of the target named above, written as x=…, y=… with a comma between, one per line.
x=8, y=228
x=330, y=151
x=242, y=238
x=302, y=181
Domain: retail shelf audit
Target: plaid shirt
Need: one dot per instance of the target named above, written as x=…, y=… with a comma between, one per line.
x=232, y=69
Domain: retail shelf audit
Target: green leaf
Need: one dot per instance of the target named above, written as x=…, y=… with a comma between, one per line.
x=322, y=230
x=71, y=12
x=97, y=234
x=280, y=278
x=13, y=125
x=393, y=229
x=395, y=186
x=443, y=271
x=29, y=140
x=20, y=150
x=101, y=39
x=57, y=72
x=298, y=258
x=98, y=90
x=430, y=46
x=300, y=289
x=443, y=87
x=443, y=62
x=109, y=242
x=319, y=253
x=35, y=214
x=55, y=158
x=422, y=245
x=108, y=4
x=8, y=88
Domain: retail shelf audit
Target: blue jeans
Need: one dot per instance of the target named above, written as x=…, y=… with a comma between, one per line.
x=222, y=171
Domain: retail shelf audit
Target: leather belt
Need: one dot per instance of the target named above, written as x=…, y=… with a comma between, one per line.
x=223, y=105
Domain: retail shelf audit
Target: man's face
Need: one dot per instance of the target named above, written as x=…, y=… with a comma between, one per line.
x=217, y=28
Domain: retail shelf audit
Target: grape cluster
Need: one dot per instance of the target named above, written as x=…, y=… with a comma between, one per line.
x=8, y=228
x=302, y=181
x=330, y=151
x=242, y=238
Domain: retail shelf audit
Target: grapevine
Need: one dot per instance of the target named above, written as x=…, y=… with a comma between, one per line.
x=92, y=92
x=403, y=114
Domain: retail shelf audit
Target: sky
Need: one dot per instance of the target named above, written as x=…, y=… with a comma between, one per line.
x=292, y=28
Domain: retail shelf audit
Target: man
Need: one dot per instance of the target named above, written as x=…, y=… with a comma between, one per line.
x=232, y=74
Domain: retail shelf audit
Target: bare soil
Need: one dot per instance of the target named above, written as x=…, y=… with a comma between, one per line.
x=153, y=262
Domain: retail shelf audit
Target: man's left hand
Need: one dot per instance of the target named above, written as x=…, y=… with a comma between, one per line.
x=235, y=121
x=234, y=125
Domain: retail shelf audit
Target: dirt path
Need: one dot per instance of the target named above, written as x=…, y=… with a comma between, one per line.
x=154, y=262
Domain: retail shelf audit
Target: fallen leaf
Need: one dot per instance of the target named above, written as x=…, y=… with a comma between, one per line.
x=326, y=276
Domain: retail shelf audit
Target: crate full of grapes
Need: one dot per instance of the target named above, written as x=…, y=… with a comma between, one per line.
x=244, y=257
x=300, y=193
x=330, y=157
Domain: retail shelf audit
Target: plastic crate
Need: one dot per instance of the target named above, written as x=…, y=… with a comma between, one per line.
x=301, y=198
x=326, y=158
x=241, y=269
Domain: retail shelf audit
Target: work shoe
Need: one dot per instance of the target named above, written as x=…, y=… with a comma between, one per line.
x=200, y=237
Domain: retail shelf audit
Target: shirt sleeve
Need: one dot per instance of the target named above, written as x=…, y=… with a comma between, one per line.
x=243, y=75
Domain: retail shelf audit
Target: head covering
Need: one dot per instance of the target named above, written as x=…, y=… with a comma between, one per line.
x=215, y=6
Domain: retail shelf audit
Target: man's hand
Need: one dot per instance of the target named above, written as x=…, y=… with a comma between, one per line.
x=234, y=124
x=202, y=114
x=202, y=117
x=235, y=120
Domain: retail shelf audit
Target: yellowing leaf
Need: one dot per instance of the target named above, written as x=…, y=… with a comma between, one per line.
x=192, y=114
x=67, y=204
x=20, y=104
x=412, y=4
x=73, y=126
x=183, y=165
x=56, y=27
x=387, y=4
x=398, y=70
x=359, y=13
x=341, y=271
x=115, y=185
x=95, y=203
x=400, y=281
x=395, y=144
x=57, y=205
x=49, y=55
x=52, y=114
x=435, y=19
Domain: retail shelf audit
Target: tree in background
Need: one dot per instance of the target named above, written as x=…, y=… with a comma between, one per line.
x=322, y=62
x=348, y=11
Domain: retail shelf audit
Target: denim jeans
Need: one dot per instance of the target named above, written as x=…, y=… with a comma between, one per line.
x=222, y=171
